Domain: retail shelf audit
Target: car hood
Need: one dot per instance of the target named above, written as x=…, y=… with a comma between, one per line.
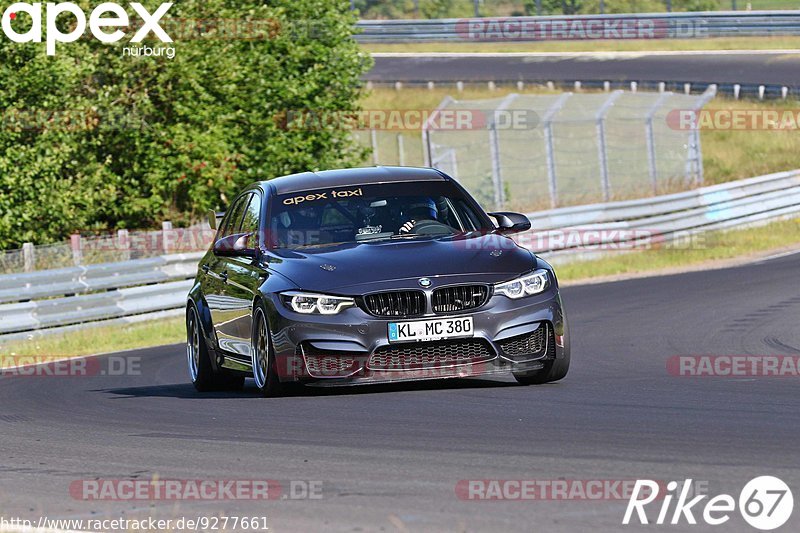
x=358, y=268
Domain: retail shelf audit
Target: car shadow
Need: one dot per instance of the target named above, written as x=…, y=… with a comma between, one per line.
x=187, y=391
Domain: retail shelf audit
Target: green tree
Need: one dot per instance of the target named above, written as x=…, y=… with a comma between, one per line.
x=92, y=139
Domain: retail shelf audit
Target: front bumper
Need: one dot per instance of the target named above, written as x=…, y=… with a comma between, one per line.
x=353, y=348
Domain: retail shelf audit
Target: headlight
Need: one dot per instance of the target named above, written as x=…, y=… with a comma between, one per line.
x=309, y=303
x=525, y=285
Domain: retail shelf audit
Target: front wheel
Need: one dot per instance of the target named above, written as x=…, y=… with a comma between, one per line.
x=200, y=370
x=263, y=359
x=552, y=371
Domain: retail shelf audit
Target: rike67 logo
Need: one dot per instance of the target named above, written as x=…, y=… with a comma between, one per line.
x=104, y=23
x=765, y=502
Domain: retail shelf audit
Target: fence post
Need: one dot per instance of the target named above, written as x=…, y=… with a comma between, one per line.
x=450, y=156
x=77, y=248
x=651, y=139
x=427, y=146
x=494, y=152
x=28, y=257
x=373, y=136
x=401, y=155
x=602, y=149
x=694, y=160
x=454, y=163
x=166, y=230
x=124, y=242
x=550, y=156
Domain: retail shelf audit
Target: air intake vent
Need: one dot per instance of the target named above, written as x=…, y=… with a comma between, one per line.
x=394, y=304
x=415, y=356
x=459, y=298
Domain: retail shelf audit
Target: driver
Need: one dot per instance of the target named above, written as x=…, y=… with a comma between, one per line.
x=418, y=210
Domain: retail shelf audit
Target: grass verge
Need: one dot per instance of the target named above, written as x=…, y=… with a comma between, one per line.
x=707, y=249
x=611, y=45
x=99, y=340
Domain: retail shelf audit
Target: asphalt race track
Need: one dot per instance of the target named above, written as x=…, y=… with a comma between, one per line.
x=390, y=457
x=746, y=68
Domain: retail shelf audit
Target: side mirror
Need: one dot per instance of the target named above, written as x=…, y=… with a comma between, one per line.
x=236, y=245
x=214, y=218
x=511, y=222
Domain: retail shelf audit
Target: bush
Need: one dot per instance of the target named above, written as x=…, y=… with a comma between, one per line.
x=93, y=140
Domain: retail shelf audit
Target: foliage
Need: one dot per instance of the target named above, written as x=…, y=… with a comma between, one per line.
x=92, y=139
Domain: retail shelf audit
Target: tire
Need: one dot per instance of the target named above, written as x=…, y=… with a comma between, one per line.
x=265, y=369
x=553, y=371
x=200, y=370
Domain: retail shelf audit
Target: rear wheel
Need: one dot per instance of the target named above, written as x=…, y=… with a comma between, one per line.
x=263, y=359
x=200, y=370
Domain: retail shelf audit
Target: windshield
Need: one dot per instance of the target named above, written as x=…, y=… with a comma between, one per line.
x=362, y=213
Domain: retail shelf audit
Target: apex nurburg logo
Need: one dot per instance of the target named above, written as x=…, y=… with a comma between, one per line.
x=106, y=15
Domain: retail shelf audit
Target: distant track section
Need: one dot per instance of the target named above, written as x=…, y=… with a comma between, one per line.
x=748, y=69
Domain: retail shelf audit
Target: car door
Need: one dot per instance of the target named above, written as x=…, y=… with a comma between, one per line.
x=242, y=278
x=220, y=303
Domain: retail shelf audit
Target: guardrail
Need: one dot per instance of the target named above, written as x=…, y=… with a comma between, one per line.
x=69, y=298
x=52, y=300
x=662, y=219
x=93, y=278
x=583, y=27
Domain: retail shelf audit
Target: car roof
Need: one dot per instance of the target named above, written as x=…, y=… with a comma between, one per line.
x=305, y=181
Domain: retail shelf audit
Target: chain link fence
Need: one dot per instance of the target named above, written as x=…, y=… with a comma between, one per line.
x=121, y=245
x=538, y=151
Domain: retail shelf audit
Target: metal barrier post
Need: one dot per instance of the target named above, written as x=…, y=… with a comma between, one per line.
x=28, y=257
x=401, y=156
x=77, y=252
x=494, y=151
x=547, y=121
x=454, y=163
x=166, y=230
x=694, y=162
x=374, y=140
x=426, y=136
x=651, y=139
x=124, y=242
x=602, y=150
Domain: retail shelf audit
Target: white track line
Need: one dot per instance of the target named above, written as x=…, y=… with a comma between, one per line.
x=778, y=256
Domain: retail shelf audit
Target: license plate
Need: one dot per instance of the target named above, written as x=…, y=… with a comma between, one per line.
x=430, y=330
